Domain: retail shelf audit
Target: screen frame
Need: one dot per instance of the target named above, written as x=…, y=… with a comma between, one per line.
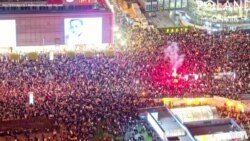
x=66, y=20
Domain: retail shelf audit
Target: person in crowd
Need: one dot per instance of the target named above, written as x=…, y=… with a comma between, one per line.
x=82, y=95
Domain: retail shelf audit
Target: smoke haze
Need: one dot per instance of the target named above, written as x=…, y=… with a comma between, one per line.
x=171, y=53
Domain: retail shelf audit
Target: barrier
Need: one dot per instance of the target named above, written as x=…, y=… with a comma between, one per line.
x=212, y=101
x=175, y=29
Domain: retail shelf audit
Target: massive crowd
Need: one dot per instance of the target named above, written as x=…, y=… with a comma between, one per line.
x=83, y=94
x=220, y=59
x=78, y=93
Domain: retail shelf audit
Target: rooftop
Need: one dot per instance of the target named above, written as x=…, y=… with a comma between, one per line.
x=189, y=114
x=169, y=124
x=212, y=126
x=209, y=125
x=166, y=120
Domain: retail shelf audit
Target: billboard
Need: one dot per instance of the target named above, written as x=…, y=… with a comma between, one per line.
x=7, y=33
x=42, y=29
x=79, y=31
x=78, y=2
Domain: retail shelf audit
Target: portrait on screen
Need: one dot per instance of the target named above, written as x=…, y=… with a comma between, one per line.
x=7, y=33
x=83, y=31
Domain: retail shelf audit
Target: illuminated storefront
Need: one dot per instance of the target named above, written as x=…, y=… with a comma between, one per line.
x=217, y=15
x=158, y=5
x=208, y=14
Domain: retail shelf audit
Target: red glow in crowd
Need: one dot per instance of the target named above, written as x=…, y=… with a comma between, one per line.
x=174, y=74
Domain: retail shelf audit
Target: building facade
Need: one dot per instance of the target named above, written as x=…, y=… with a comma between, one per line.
x=40, y=29
x=159, y=5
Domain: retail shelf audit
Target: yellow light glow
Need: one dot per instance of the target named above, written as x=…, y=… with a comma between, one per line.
x=202, y=99
x=230, y=103
x=189, y=101
x=240, y=106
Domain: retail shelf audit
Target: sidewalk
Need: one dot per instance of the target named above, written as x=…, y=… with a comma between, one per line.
x=161, y=20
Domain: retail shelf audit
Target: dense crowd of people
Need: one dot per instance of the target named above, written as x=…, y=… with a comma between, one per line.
x=80, y=93
x=84, y=94
x=221, y=60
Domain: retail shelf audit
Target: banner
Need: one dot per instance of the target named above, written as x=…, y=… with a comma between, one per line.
x=78, y=2
x=55, y=1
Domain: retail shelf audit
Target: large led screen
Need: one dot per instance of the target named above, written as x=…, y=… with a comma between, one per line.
x=7, y=33
x=80, y=31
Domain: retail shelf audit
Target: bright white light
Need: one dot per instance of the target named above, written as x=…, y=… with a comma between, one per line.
x=7, y=33
x=51, y=56
x=69, y=0
x=186, y=77
x=196, y=76
x=99, y=47
x=234, y=74
x=118, y=35
x=116, y=28
x=123, y=43
x=31, y=98
x=174, y=73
